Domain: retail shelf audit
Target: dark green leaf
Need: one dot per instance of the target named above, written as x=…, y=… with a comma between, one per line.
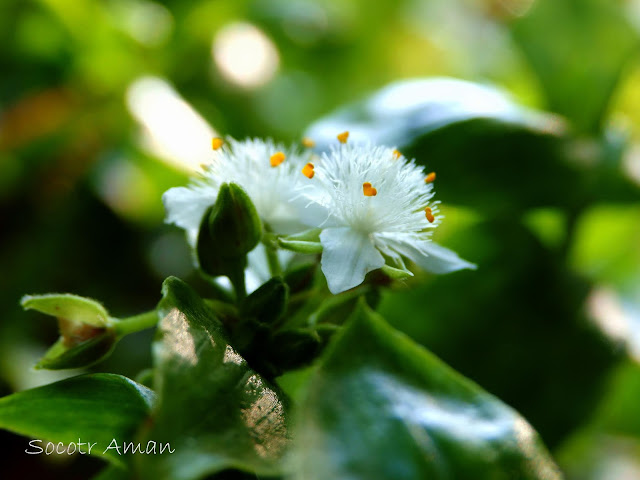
x=578, y=49
x=518, y=327
x=488, y=151
x=381, y=407
x=215, y=411
x=96, y=408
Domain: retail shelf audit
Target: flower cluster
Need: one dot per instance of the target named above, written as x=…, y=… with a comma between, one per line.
x=373, y=206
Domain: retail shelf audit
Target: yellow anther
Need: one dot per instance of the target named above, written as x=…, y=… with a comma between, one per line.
x=307, y=170
x=430, y=177
x=307, y=142
x=429, y=214
x=397, y=154
x=216, y=143
x=368, y=190
x=277, y=158
x=343, y=137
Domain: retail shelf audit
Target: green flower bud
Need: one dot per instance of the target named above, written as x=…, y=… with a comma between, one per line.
x=268, y=303
x=87, y=333
x=293, y=349
x=230, y=229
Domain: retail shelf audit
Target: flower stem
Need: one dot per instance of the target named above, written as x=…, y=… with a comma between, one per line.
x=271, y=250
x=274, y=262
x=237, y=280
x=136, y=323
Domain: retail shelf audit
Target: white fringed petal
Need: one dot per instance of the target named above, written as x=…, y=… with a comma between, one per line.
x=185, y=207
x=347, y=257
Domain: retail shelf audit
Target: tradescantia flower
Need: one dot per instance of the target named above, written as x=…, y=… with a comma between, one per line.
x=267, y=171
x=372, y=205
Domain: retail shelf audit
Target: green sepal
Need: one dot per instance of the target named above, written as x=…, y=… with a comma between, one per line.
x=396, y=273
x=268, y=303
x=300, y=246
x=87, y=333
x=312, y=235
x=68, y=306
x=83, y=354
x=304, y=242
x=230, y=229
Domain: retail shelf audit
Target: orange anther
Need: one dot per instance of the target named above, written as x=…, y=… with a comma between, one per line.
x=307, y=142
x=343, y=137
x=397, y=154
x=307, y=170
x=430, y=178
x=368, y=190
x=277, y=158
x=216, y=143
x=429, y=214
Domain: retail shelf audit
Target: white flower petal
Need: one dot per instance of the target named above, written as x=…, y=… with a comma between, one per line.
x=432, y=257
x=185, y=207
x=347, y=257
x=257, y=271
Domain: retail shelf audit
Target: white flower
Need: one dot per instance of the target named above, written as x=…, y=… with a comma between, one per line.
x=267, y=171
x=372, y=203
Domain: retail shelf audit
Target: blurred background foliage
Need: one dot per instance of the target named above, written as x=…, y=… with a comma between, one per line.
x=104, y=104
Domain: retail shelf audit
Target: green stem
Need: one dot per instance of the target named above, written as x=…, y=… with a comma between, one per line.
x=270, y=247
x=237, y=280
x=136, y=323
x=274, y=262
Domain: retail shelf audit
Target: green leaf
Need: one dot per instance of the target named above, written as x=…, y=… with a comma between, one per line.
x=578, y=49
x=214, y=410
x=69, y=307
x=489, y=152
x=529, y=308
x=381, y=407
x=96, y=408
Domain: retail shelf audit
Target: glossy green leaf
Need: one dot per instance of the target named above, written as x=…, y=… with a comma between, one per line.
x=381, y=407
x=215, y=411
x=518, y=327
x=578, y=49
x=488, y=151
x=96, y=408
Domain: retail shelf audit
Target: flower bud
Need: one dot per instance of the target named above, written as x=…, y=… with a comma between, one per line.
x=268, y=303
x=229, y=230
